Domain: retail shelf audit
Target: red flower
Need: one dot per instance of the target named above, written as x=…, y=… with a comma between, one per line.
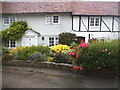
x=71, y=53
x=81, y=68
x=84, y=45
x=77, y=56
x=102, y=50
x=70, y=59
x=76, y=67
x=75, y=48
x=54, y=51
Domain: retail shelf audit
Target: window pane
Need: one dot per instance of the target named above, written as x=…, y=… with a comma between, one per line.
x=92, y=22
x=97, y=22
x=12, y=19
x=7, y=43
x=6, y=20
x=51, y=41
x=49, y=19
x=12, y=43
x=57, y=41
x=55, y=19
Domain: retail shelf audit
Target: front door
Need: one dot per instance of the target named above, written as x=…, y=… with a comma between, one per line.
x=29, y=41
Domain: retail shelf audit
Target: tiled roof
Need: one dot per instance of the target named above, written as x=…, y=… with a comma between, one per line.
x=35, y=7
x=76, y=8
x=95, y=8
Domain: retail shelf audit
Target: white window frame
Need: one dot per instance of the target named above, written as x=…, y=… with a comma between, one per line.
x=94, y=24
x=9, y=43
x=52, y=19
x=9, y=20
x=55, y=42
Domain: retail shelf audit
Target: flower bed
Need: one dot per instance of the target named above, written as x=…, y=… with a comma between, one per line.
x=86, y=57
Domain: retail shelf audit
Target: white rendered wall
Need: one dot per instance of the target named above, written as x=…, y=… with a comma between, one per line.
x=38, y=23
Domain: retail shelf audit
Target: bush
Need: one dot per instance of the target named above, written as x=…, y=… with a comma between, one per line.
x=25, y=52
x=97, y=55
x=66, y=38
x=62, y=58
x=37, y=57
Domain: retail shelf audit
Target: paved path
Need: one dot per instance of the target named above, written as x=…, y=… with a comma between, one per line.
x=29, y=77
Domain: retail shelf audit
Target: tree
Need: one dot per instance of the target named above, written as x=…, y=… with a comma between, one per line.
x=66, y=38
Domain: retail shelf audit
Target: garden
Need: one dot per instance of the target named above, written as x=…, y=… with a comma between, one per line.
x=89, y=57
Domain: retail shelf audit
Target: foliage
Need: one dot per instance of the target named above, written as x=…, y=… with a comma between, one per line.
x=62, y=58
x=22, y=53
x=66, y=38
x=74, y=45
x=37, y=57
x=4, y=51
x=15, y=31
x=60, y=48
x=96, y=55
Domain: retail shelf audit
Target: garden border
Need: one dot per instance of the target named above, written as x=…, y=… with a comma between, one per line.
x=58, y=66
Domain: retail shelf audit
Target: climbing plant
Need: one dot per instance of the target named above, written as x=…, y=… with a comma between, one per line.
x=15, y=31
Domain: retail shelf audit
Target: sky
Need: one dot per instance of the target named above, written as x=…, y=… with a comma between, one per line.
x=55, y=0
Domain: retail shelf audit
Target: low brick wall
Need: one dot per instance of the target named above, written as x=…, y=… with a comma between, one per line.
x=57, y=66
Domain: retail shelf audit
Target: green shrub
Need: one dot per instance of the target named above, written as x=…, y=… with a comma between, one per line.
x=62, y=58
x=66, y=38
x=24, y=53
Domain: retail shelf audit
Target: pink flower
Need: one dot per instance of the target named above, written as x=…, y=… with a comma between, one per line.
x=106, y=49
x=109, y=53
x=102, y=50
x=84, y=45
x=71, y=53
x=81, y=68
x=75, y=48
x=10, y=54
x=77, y=56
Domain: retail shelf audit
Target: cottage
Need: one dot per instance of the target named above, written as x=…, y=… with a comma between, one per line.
x=87, y=20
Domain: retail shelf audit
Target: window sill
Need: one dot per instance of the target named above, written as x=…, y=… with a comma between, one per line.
x=94, y=26
x=6, y=24
x=53, y=24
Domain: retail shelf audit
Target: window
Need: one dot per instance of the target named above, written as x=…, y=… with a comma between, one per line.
x=10, y=43
x=95, y=21
x=8, y=20
x=53, y=19
x=53, y=41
